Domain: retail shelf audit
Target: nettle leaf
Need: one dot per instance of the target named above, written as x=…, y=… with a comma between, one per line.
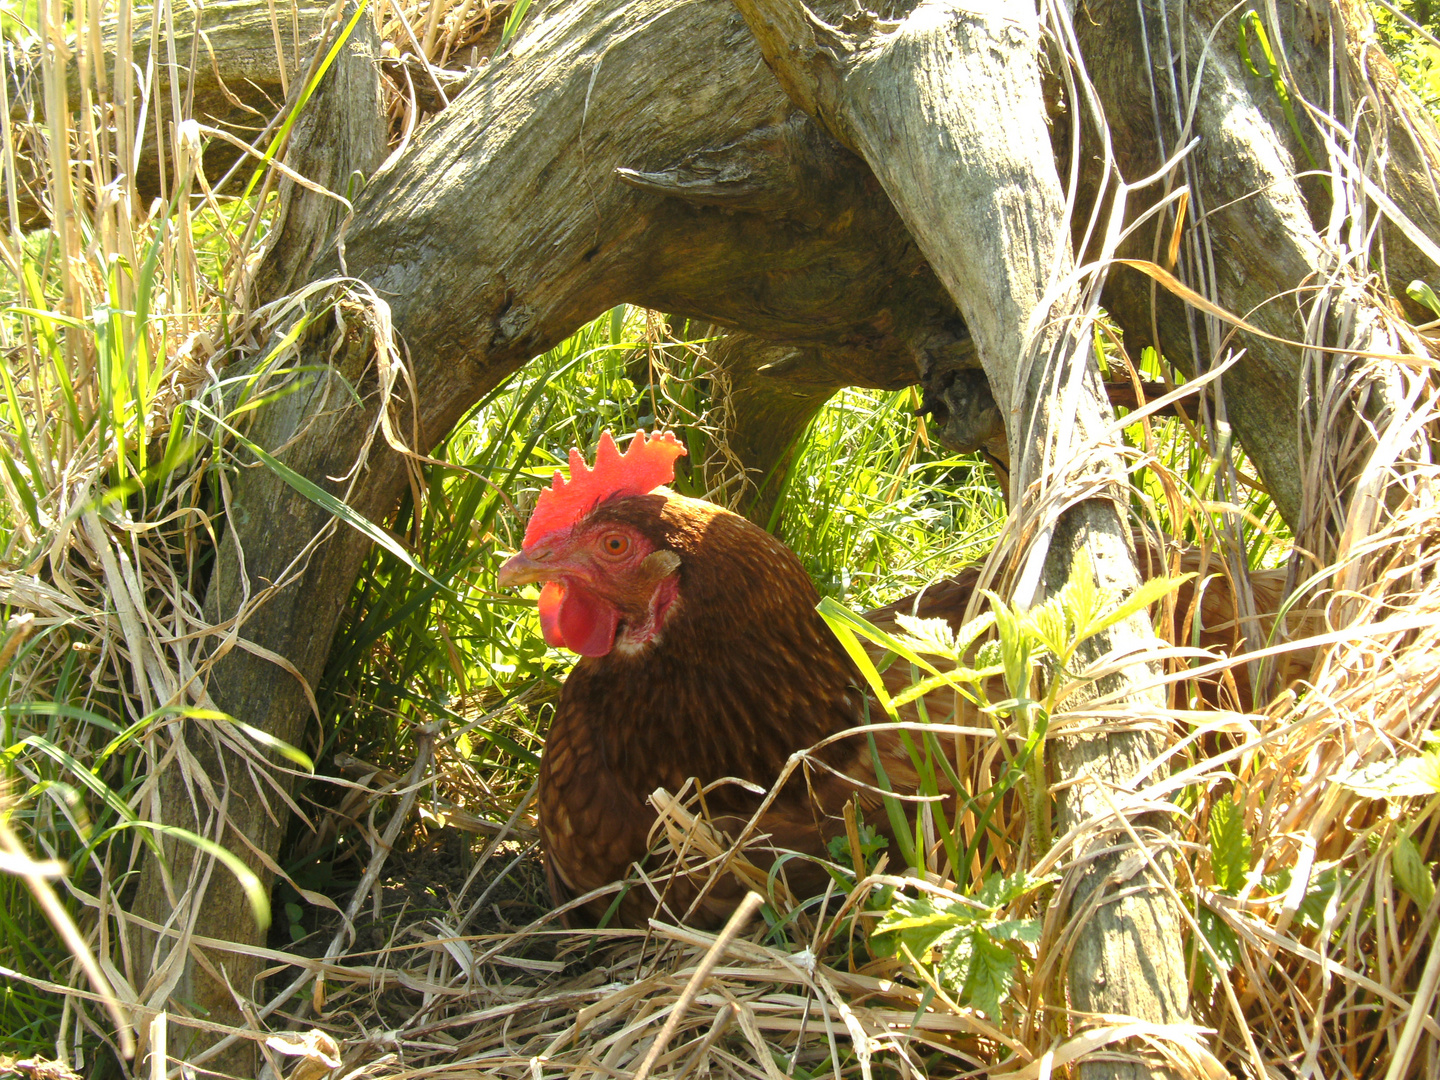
x=990, y=656
x=1015, y=644
x=1410, y=872
x=1229, y=846
x=1048, y=623
x=931, y=636
x=1324, y=880
x=911, y=912
x=966, y=635
x=1025, y=930
x=969, y=952
x=998, y=890
x=1417, y=775
x=1081, y=596
x=952, y=964
x=990, y=976
x=933, y=923
x=917, y=925
x=1220, y=937
x=1150, y=592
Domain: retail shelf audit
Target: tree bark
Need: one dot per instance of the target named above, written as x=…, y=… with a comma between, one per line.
x=1261, y=239
x=338, y=141
x=947, y=110
x=341, y=134
x=769, y=396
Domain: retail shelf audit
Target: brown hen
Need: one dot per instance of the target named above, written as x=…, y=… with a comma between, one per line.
x=702, y=656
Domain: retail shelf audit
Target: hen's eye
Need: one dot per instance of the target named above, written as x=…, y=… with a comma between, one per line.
x=615, y=544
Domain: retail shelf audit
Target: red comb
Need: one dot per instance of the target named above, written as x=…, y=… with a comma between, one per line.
x=648, y=463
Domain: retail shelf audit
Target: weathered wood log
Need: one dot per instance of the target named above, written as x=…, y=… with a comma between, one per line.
x=770, y=395
x=338, y=141
x=1260, y=211
x=342, y=134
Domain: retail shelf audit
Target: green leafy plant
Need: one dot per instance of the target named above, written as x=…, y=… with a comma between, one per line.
x=1408, y=30
x=1230, y=854
x=1036, y=653
x=1404, y=777
x=969, y=945
x=966, y=944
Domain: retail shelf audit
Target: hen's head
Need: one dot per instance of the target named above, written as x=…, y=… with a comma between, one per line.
x=596, y=544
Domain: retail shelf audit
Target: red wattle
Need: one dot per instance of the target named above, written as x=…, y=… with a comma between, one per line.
x=588, y=623
x=552, y=598
x=572, y=618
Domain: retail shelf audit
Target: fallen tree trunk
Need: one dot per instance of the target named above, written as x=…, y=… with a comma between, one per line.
x=1261, y=236
x=214, y=785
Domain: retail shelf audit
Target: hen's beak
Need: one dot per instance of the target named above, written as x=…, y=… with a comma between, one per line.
x=522, y=568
